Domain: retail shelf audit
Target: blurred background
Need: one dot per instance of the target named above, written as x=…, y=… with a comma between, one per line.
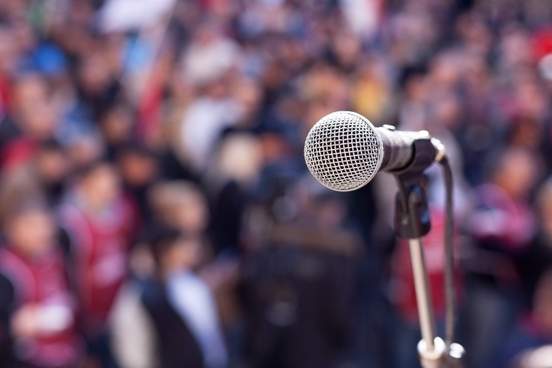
x=156, y=211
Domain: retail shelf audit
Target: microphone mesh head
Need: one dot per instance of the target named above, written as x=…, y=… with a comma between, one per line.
x=343, y=151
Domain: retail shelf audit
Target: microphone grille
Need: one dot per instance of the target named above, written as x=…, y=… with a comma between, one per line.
x=343, y=151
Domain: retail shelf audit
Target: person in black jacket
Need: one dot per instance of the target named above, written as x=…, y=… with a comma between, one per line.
x=173, y=307
x=299, y=304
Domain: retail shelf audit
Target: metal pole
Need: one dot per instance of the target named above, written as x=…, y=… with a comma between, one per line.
x=423, y=293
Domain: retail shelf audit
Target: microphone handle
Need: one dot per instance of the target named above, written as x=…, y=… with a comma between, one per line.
x=402, y=149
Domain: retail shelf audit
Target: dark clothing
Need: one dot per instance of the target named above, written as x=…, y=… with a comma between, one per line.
x=176, y=345
x=534, y=263
x=226, y=218
x=299, y=305
x=7, y=306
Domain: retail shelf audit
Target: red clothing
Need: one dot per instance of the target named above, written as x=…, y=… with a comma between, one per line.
x=41, y=282
x=542, y=43
x=100, y=246
x=17, y=152
x=4, y=94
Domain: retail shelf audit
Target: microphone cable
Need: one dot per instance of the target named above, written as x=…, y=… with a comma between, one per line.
x=450, y=295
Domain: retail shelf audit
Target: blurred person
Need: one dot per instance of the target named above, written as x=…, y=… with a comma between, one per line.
x=37, y=307
x=132, y=338
x=270, y=68
x=533, y=332
x=345, y=51
x=372, y=96
x=180, y=204
x=515, y=49
x=16, y=185
x=248, y=95
x=8, y=63
x=298, y=286
x=204, y=119
x=298, y=303
x=326, y=87
x=239, y=160
x=100, y=224
x=52, y=170
x=209, y=55
x=530, y=99
x=29, y=93
x=139, y=169
x=502, y=226
x=538, y=258
x=97, y=81
x=172, y=315
x=284, y=123
x=151, y=112
x=117, y=127
x=32, y=117
x=412, y=34
x=92, y=91
x=478, y=129
x=413, y=107
x=84, y=149
x=525, y=132
x=474, y=33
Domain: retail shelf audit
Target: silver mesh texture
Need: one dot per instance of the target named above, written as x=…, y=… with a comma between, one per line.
x=343, y=151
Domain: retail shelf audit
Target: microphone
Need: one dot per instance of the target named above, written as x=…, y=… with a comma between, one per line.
x=344, y=151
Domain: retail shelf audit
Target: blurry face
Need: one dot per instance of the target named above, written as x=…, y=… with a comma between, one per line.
x=29, y=90
x=138, y=170
x=447, y=111
x=190, y=214
x=94, y=73
x=182, y=256
x=7, y=51
x=527, y=133
x=31, y=232
x=117, y=126
x=36, y=114
x=517, y=173
x=39, y=120
x=248, y=95
x=347, y=47
x=101, y=187
x=84, y=150
x=416, y=88
x=51, y=165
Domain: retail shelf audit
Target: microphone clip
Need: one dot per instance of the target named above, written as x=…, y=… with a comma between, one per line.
x=412, y=218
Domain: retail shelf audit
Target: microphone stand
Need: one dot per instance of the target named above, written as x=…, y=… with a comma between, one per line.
x=412, y=222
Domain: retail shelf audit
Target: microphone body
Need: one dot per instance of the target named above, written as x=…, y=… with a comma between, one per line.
x=398, y=147
x=344, y=151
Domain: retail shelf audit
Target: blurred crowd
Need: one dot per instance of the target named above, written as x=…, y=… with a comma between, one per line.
x=155, y=209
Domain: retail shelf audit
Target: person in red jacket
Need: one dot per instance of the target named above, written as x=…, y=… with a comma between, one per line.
x=99, y=223
x=37, y=324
